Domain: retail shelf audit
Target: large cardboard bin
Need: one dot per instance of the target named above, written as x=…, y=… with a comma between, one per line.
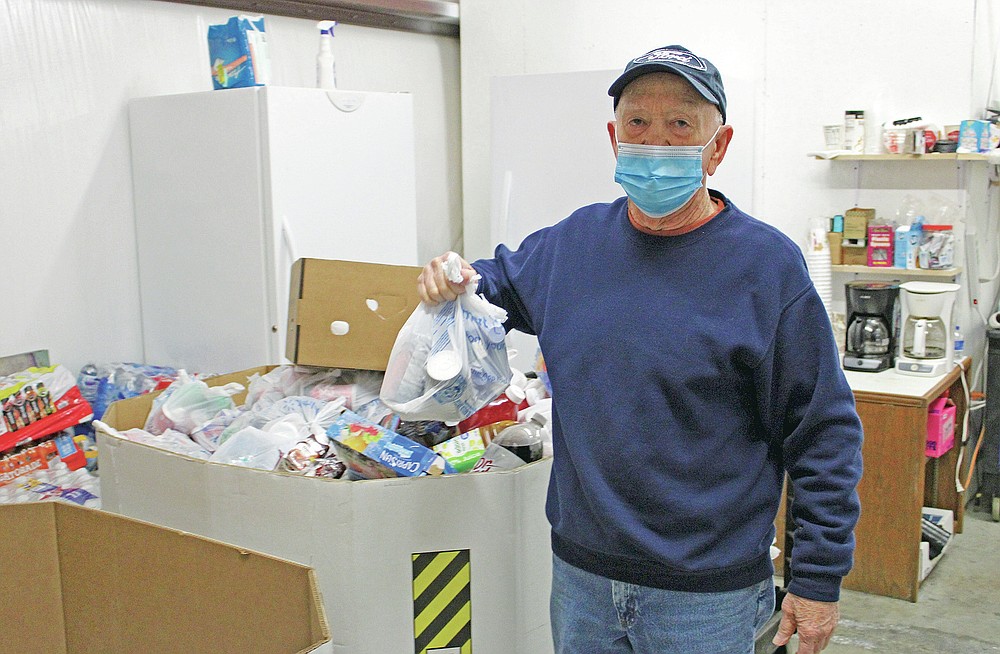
x=458, y=564
x=80, y=580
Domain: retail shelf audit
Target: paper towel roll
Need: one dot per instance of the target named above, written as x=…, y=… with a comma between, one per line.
x=994, y=321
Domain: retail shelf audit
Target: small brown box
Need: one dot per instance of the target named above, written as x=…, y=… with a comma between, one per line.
x=855, y=252
x=836, y=249
x=856, y=222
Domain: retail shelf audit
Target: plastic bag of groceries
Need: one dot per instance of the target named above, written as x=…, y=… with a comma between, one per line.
x=449, y=360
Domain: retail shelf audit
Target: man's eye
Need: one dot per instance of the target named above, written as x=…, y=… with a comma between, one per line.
x=683, y=124
x=636, y=122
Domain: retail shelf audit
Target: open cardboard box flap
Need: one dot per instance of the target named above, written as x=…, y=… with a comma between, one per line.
x=81, y=580
x=370, y=301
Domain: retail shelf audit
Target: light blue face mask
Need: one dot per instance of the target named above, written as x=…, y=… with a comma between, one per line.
x=660, y=179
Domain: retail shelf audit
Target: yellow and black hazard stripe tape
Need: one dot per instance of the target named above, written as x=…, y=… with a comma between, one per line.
x=442, y=601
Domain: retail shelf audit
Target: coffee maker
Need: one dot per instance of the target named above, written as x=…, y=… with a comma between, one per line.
x=926, y=346
x=872, y=326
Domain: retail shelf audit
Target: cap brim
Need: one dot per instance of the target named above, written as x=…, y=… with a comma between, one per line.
x=659, y=67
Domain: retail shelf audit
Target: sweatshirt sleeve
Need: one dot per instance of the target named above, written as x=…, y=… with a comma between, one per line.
x=808, y=408
x=510, y=277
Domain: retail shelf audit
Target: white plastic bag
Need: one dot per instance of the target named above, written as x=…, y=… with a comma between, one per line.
x=255, y=448
x=189, y=402
x=449, y=360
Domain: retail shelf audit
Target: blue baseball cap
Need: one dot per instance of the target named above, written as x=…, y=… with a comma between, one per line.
x=698, y=71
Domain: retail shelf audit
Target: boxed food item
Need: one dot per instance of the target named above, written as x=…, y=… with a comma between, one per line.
x=880, y=246
x=494, y=524
x=82, y=580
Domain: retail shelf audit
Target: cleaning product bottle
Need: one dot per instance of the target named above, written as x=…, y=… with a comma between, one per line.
x=326, y=68
x=959, y=343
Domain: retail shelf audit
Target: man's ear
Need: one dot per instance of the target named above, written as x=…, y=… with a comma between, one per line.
x=614, y=138
x=722, y=140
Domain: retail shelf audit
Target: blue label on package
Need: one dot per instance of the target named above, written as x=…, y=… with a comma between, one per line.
x=238, y=53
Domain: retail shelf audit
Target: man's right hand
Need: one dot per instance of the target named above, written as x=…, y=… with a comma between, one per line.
x=433, y=285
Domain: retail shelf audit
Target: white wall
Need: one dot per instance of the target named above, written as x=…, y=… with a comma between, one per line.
x=69, y=68
x=808, y=61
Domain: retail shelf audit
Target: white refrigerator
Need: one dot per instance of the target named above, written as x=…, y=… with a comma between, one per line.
x=232, y=186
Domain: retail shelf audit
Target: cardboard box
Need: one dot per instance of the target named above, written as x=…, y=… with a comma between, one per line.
x=855, y=252
x=365, y=539
x=82, y=580
x=940, y=427
x=880, y=246
x=371, y=301
x=856, y=222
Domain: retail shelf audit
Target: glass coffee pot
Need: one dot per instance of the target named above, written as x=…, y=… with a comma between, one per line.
x=925, y=337
x=868, y=336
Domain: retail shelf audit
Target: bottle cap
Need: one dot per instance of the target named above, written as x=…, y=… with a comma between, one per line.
x=515, y=394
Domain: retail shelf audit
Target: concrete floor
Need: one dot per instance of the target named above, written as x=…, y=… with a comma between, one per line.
x=958, y=610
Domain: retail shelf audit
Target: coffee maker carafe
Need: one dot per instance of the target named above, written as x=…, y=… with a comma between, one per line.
x=926, y=346
x=872, y=325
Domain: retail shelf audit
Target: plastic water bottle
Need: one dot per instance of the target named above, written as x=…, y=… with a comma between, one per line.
x=89, y=382
x=959, y=343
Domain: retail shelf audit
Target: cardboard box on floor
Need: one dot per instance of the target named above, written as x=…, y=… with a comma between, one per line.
x=366, y=539
x=81, y=580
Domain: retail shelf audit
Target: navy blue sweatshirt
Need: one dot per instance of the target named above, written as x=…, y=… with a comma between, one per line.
x=688, y=373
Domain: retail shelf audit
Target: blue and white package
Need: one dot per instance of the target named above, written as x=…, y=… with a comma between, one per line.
x=238, y=53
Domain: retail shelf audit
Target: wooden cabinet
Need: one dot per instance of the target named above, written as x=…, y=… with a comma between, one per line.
x=898, y=478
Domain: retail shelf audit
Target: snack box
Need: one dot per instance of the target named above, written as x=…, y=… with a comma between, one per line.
x=83, y=580
x=384, y=550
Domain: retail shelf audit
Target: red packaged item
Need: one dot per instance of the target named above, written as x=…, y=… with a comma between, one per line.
x=501, y=409
x=22, y=463
x=39, y=402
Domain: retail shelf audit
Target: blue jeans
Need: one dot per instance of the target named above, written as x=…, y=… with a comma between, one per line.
x=595, y=615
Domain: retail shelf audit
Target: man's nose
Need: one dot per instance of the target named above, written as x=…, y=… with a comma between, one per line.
x=656, y=134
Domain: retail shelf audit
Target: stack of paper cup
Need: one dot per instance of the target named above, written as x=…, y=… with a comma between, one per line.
x=818, y=261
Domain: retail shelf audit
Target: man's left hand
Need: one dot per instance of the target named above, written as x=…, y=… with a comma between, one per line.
x=815, y=622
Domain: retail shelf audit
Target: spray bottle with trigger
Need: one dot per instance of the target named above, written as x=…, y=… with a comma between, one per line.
x=326, y=68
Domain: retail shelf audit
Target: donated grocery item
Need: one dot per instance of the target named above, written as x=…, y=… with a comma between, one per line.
x=254, y=448
x=110, y=382
x=449, y=360
x=173, y=441
x=462, y=451
x=504, y=407
x=524, y=439
x=305, y=453
x=188, y=403
x=426, y=432
x=238, y=53
x=497, y=457
x=209, y=434
x=37, y=403
x=374, y=452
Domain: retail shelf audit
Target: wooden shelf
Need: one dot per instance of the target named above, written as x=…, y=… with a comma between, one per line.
x=930, y=156
x=898, y=272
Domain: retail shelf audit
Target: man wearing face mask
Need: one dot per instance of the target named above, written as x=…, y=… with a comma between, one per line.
x=692, y=364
